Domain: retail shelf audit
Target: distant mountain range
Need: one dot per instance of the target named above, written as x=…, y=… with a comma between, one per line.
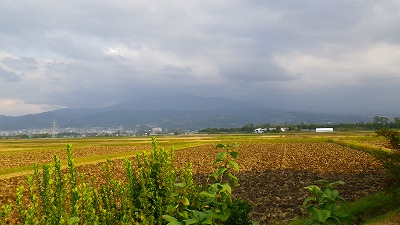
x=184, y=112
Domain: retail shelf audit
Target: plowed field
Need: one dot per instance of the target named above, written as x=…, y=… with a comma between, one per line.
x=272, y=175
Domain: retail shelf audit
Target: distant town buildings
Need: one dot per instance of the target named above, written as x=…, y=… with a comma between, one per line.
x=284, y=129
x=156, y=130
x=54, y=131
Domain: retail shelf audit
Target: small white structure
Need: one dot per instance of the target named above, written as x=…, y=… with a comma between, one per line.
x=156, y=130
x=260, y=130
x=324, y=129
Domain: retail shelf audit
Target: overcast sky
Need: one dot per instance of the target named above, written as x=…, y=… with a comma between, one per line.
x=310, y=55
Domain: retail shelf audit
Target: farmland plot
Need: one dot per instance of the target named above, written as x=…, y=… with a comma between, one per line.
x=26, y=158
x=272, y=175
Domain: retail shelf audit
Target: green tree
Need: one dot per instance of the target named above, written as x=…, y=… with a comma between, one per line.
x=381, y=121
x=248, y=127
x=396, y=122
x=391, y=161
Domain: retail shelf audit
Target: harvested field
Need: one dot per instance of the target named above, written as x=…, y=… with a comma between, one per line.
x=272, y=176
x=17, y=159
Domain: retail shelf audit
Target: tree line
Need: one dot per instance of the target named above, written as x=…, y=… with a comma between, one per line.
x=378, y=122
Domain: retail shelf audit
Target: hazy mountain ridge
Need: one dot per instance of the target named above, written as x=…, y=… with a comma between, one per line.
x=174, y=112
x=184, y=103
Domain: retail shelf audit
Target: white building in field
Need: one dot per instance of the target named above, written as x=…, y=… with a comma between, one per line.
x=324, y=129
x=260, y=130
x=263, y=130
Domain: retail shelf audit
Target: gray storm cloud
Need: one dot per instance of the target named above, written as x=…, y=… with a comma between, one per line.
x=300, y=55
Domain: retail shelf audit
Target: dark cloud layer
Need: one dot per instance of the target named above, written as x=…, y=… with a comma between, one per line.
x=325, y=56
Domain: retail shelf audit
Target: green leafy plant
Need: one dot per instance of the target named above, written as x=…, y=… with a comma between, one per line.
x=217, y=196
x=324, y=204
x=216, y=204
x=227, y=164
x=240, y=213
x=4, y=212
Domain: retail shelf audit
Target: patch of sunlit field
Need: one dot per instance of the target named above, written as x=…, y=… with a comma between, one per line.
x=20, y=154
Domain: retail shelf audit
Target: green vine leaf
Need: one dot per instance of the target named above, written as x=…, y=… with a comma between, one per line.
x=233, y=164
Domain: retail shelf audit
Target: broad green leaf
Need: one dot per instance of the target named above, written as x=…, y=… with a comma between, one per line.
x=328, y=193
x=219, y=186
x=335, y=220
x=206, y=221
x=233, y=164
x=169, y=218
x=308, y=199
x=335, y=194
x=172, y=207
x=220, y=145
x=320, y=215
x=221, y=156
x=234, y=154
x=313, y=188
x=227, y=198
x=342, y=200
x=203, y=216
x=330, y=207
x=73, y=220
x=180, y=185
x=207, y=194
x=224, y=196
x=227, y=188
x=190, y=221
x=221, y=205
x=175, y=223
x=185, y=201
x=233, y=178
x=219, y=171
x=312, y=222
x=184, y=214
x=223, y=215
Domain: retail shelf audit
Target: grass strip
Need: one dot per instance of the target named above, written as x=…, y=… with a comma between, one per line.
x=371, y=206
x=361, y=146
x=390, y=218
x=366, y=208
